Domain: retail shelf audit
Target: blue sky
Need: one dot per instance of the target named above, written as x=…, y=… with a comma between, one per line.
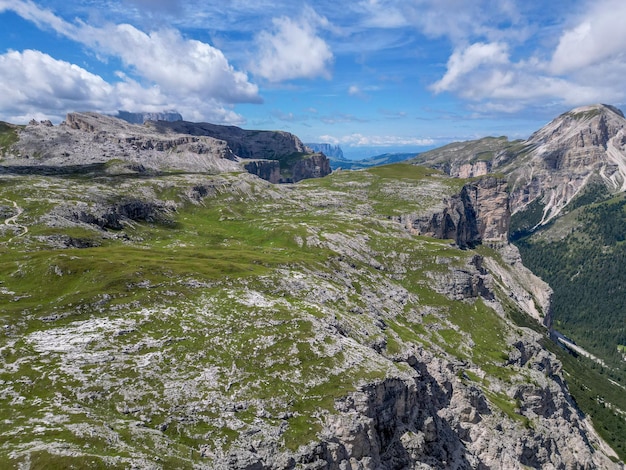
x=370, y=75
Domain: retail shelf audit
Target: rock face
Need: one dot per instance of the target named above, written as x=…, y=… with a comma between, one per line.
x=465, y=159
x=313, y=166
x=270, y=145
x=567, y=154
x=296, y=160
x=471, y=170
x=479, y=213
x=87, y=141
x=585, y=145
x=530, y=293
x=268, y=170
x=434, y=421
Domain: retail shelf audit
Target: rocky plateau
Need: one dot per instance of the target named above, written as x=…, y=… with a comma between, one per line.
x=163, y=308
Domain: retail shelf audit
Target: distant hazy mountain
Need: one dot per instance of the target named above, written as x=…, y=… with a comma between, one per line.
x=369, y=162
x=330, y=150
x=140, y=118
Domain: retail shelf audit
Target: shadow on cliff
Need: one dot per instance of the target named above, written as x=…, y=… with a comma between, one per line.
x=395, y=424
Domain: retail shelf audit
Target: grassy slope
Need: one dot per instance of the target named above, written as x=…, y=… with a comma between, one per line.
x=103, y=346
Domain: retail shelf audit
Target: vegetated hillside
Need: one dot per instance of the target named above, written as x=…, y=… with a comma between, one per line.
x=188, y=320
x=566, y=186
x=582, y=255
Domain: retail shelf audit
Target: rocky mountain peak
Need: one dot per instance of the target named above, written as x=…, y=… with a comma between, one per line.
x=580, y=146
x=555, y=165
x=583, y=127
x=596, y=108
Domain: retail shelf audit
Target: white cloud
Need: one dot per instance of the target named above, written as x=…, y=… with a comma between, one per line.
x=485, y=74
x=35, y=85
x=471, y=60
x=462, y=20
x=179, y=66
x=189, y=75
x=360, y=140
x=598, y=37
x=383, y=14
x=293, y=49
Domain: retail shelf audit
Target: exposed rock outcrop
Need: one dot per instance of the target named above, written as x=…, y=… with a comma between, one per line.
x=310, y=166
x=268, y=170
x=269, y=145
x=296, y=160
x=469, y=282
x=553, y=166
x=89, y=141
x=471, y=170
x=567, y=154
x=529, y=292
x=115, y=216
x=436, y=420
x=479, y=213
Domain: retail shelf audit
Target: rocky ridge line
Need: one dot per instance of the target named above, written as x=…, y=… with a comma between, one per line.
x=90, y=141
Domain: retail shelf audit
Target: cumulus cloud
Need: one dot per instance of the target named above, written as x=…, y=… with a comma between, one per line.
x=484, y=73
x=182, y=73
x=360, y=140
x=598, y=37
x=35, y=85
x=477, y=58
x=176, y=64
x=293, y=49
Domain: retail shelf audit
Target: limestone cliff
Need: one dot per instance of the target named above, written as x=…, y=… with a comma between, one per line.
x=310, y=166
x=479, y=213
x=566, y=155
x=89, y=141
x=552, y=167
x=296, y=160
x=268, y=170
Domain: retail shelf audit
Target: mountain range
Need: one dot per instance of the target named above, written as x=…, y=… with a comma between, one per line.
x=167, y=304
x=339, y=162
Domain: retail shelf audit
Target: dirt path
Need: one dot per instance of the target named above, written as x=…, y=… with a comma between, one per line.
x=12, y=221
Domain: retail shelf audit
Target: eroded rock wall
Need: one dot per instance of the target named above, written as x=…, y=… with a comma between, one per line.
x=479, y=213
